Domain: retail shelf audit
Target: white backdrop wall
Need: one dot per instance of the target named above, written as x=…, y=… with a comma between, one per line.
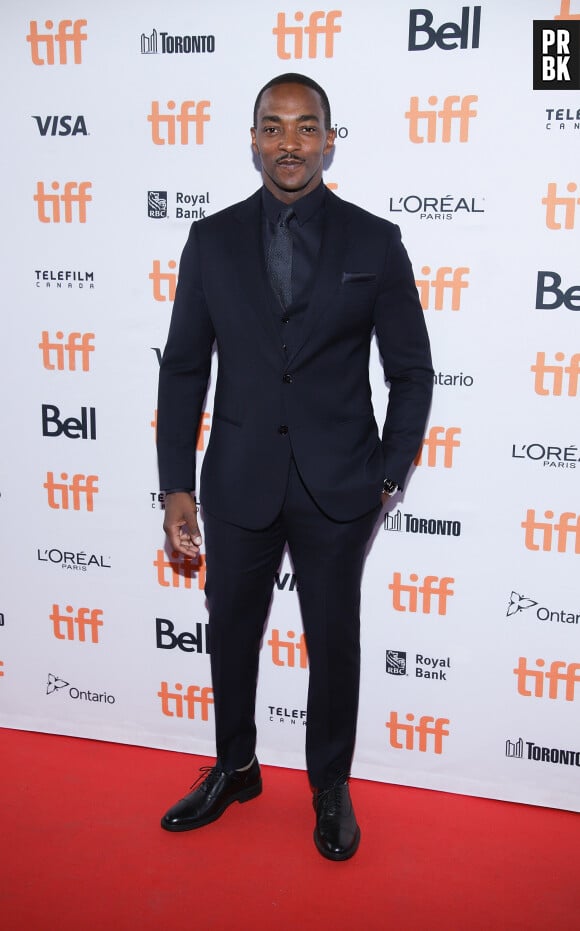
x=471, y=603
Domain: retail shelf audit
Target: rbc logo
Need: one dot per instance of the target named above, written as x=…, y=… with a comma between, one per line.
x=445, y=37
x=68, y=34
x=319, y=24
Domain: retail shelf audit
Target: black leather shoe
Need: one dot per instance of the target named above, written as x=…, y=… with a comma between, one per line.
x=212, y=796
x=337, y=835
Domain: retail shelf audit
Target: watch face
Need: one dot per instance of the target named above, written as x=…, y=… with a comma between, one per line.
x=390, y=487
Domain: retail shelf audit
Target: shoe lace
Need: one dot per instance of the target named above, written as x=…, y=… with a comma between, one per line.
x=331, y=798
x=207, y=778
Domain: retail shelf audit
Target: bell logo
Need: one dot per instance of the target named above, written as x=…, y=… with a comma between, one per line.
x=567, y=526
x=406, y=597
x=164, y=125
x=439, y=438
x=81, y=490
x=164, y=283
x=553, y=203
x=178, y=704
x=446, y=281
x=445, y=37
x=455, y=109
x=61, y=353
x=556, y=372
x=559, y=672
x=319, y=24
x=70, y=626
x=430, y=732
x=75, y=193
x=67, y=33
x=284, y=651
x=179, y=569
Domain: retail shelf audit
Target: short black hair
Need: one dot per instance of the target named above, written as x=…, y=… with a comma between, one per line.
x=292, y=78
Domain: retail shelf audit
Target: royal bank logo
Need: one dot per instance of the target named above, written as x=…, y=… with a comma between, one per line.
x=519, y=604
x=57, y=686
x=438, y=206
x=400, y=522
x=64, y=279
x=528, y=750
x=165, y=43
x=186, y=205
x=396, y=662
x=157, y=204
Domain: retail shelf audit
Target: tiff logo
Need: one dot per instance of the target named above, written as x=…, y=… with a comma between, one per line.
x=62, y=353
x=177, y=704
x=439, y=438
x=447, y=280
x=455, y=109
x=556, y=55
x=75, y=193
x=565, y=11
x=286, y=652
x=68, y=33
x=406, y=597
x=81, y=490
x=552, y=202
x=164, y=283
x=430, y=732
x=548, y=531
x=319, y=24
x=556, y=372
x=179, y=571
x=559, y=672
x=70, y=626
x=164, y=125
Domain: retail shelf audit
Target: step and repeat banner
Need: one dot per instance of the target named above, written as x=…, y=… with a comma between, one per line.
x=127, y=121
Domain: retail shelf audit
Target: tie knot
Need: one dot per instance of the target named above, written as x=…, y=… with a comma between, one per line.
x=285, y=216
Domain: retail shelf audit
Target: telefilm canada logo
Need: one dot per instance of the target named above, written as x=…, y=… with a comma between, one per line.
x=56, y=685
x=64, y=279
x=519, y=603
x=426, y=667
x=438, y=206
x=282, y=715
x=158, y=42
x=400, y=522
x=528, y=750
x=556, y=50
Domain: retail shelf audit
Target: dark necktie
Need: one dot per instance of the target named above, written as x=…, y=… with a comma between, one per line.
x=280, y=258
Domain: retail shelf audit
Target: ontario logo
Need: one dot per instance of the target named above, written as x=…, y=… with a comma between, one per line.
x=520, y=603
x=56, y=684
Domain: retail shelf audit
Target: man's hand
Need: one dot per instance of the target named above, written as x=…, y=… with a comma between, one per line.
x=180, y=523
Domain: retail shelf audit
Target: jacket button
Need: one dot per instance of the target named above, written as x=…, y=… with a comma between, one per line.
x=283, y=429
x=287, y=379
x=285, y=319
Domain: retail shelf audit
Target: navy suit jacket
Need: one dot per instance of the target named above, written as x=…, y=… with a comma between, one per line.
x=314, y=404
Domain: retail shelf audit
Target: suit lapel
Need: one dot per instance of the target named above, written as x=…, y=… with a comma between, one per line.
x=248, y=248
x=327, y=274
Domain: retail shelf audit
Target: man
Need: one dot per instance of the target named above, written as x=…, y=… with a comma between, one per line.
x=290, y=286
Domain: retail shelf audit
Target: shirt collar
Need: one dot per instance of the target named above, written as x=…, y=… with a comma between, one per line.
x=304, y=208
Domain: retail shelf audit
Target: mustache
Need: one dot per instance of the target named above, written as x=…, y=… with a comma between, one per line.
x=288, y=158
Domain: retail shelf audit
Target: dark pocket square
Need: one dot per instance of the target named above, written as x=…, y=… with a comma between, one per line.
x=348, y=277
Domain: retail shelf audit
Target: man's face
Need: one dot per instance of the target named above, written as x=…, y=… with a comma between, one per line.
x=291, y=141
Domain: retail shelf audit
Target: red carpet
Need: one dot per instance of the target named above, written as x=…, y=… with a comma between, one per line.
x=82, y=848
